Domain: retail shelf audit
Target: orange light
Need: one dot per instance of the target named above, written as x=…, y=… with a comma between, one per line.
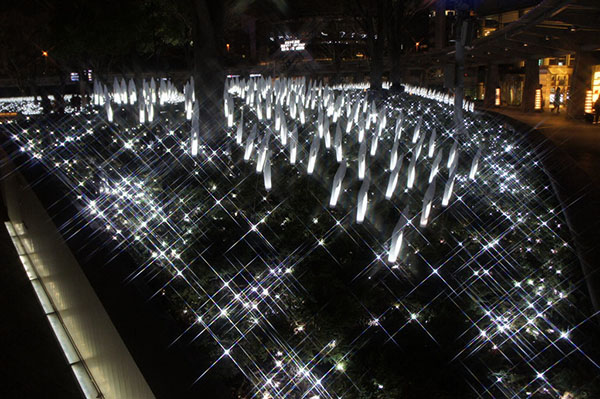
x=227, y=45
x=44, y=53
x=497, y=100
x=538, y=99
x=588, y=102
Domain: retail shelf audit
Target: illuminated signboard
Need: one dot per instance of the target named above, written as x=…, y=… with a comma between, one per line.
x=596, y=84
x=292, y=45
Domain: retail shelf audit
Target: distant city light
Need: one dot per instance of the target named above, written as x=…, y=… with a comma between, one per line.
x=292, y=45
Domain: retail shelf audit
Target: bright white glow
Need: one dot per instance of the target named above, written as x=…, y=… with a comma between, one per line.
x=363, y=199
x=292, y=45
x=337, y=184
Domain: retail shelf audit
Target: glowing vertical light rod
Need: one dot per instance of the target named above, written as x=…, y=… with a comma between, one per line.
x=363, y=200
x=362, y=160
x=240, y=129
x=436, y=165
x=293, y=146
x=448, y=189
x=337, y=143
x=314, y=151
x=393, y=181
x=337, y=184
x=431, y=146
x=397, y=235
x=250, y=144
x=267, y=171
x=427, y=202
x=475, y=164
x=195, y=129
x=452, y=154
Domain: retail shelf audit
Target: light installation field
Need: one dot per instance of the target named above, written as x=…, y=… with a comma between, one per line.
x=324, y=245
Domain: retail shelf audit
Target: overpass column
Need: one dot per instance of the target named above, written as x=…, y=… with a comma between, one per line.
x=492, y=81
x=580, y=83
x=532, y=82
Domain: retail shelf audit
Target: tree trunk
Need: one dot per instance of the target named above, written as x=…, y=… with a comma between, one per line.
x=459, y=88
x=209, y=74
x=376, y=73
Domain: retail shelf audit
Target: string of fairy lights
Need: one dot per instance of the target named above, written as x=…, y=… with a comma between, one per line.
x=391, y=177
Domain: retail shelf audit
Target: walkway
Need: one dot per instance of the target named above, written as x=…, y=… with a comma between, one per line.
x=572, y=161
x=578, y=139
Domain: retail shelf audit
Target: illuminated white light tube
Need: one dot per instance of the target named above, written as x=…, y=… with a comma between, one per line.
x=312, y=155
x=454, y=165
x=150, y=111
x=262, y=152
x=427, y=202
x=436, y=165
x=132, y=92
x=337, y=184
x=337, y=143
x=417, y=130
x=250, y=144
x=278, y=114
x=320, y=122
x=267, y=171
x=394, y=155
x=326, y=133
x=188, y=109
x=142, y=111
x=109, y=110
x=363, y=200
x=397, y=235
x=431, y=146
x=452, y=154
x=259, y=113
x=293, y=146
x=398, y=128
x=362, y=160
x=283, y=133
x=194, y=145
x=374, y=141
x=475, y=164
x=195, y=128
x=240, y=129
x=419, y=146
x=361, y=131
x=448, y=190
x=393, y=181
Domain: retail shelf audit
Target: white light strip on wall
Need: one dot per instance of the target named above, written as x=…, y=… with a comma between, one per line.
x=82, y=374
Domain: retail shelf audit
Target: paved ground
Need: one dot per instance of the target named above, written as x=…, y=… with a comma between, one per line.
x=578, y=139
x=573, y=163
